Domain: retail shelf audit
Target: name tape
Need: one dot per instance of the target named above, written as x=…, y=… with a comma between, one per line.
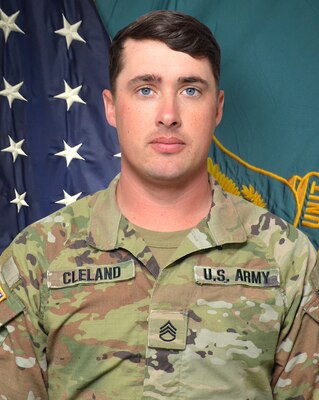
x=93, y=274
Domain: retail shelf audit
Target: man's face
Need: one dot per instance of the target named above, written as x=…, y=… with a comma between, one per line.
x=165, y=109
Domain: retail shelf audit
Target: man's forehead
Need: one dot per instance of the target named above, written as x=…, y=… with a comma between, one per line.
x=141, y=42
x=147, y=57
x=132, y=46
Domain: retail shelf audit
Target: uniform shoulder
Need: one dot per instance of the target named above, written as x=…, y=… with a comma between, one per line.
x=60, y=226
x=285, y=243
x=280, y=245
x=258, y=219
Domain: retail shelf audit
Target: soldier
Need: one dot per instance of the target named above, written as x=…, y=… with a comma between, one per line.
x=161, y=286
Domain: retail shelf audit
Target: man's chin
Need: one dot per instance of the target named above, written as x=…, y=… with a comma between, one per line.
x=168, y=178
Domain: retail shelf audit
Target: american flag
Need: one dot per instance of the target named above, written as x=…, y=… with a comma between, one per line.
x=55, y=144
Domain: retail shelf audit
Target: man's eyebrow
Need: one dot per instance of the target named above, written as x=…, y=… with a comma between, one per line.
x=152, y=78
x=192, y=79
x=147, y=78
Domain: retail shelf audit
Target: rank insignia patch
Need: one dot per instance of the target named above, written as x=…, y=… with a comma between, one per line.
x=167, y=329
x=3, y=295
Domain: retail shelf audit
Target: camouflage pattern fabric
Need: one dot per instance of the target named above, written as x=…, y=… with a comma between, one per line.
x=85, y=312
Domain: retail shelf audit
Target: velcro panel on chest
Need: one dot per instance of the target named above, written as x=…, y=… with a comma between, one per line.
x=10, y=305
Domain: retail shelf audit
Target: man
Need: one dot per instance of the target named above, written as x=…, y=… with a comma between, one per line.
x=162, y=286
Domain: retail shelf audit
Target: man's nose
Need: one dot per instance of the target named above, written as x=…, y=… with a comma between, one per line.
x=168, y=112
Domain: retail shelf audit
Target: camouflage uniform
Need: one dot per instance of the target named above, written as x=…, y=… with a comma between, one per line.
x=86, y=313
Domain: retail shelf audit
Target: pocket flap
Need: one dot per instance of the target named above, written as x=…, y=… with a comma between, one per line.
x=312, y=307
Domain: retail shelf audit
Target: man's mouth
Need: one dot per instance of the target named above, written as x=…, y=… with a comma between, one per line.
x=168, y=145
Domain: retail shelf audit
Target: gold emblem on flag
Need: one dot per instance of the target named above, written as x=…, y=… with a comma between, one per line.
x=247, y=192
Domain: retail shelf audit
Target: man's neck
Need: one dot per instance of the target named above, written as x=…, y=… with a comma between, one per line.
x=164, y=208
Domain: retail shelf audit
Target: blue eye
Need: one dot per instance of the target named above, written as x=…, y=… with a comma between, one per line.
x=145, y=91
x=191, y=91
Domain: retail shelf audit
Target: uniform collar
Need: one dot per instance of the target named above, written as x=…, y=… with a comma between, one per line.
x=105, y=218
x=221, y=226
x=223, y=220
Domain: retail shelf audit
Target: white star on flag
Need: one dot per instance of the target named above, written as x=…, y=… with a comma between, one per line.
x=68, y=199
x=70, y=153
x=19, y=200
x=7, y=24
x=70, y=31
x=12, y=92
x=15, y=148
x=118, y=155
x=70, y=95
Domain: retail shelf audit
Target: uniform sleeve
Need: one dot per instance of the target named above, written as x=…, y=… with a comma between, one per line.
x=296, y=371
x=22, y=341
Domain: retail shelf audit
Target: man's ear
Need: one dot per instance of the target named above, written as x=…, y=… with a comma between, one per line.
x=109, y=107
x=220, y=106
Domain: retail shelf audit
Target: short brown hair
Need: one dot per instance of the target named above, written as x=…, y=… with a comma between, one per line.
x=180, y=32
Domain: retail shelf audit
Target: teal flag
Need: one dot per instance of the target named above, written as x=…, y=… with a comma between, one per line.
x=266, y=148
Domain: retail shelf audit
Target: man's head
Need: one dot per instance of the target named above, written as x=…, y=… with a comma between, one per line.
x=165, y=101
x=180, y=32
